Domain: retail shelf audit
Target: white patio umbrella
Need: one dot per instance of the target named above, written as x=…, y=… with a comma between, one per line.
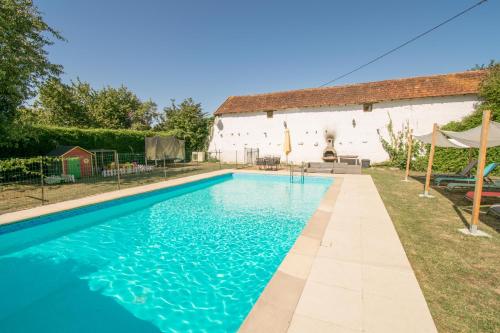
x=287, y=145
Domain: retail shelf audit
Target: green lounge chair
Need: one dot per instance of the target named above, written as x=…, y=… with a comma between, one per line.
x=487, y=170
x=490, y=186
x=494, y=210
x=464, y=173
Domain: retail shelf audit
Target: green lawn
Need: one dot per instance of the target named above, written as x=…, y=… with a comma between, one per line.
x=15, y=197
x=459, y=275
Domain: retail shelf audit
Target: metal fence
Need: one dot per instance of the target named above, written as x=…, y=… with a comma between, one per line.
x=34, y=181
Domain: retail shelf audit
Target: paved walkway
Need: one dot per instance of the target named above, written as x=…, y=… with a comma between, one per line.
x=361, y=280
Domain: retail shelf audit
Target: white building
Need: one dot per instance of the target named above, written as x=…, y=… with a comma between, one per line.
x=356, y=114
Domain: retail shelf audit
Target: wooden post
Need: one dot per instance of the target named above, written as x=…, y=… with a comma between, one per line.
x=431, y=160
x=408, y=159
x=485, y=128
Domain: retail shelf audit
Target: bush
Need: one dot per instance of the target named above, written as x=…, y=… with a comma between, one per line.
x=40, y=140
x=397, y=145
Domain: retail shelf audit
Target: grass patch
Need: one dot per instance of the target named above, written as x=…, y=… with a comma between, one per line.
x=19, y=196
x=459, y=275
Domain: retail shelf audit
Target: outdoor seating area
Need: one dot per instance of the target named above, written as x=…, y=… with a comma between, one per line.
x=480, y=137
x=334, y=167
x=270, y=163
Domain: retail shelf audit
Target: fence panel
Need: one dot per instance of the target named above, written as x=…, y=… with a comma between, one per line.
x=35, y=181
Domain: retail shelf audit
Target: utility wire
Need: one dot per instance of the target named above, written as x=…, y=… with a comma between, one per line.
x=405, y=43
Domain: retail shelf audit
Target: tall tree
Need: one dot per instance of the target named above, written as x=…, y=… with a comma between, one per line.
x=115, y=108
x=188, y=122
x=23, y=58
x=78, y=104
x=64, y=105
x=145, y=116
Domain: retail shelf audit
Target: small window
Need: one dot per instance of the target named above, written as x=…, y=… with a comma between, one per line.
x=367, y=107
x=269, y=114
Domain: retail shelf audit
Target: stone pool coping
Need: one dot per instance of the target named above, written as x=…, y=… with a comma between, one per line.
x=275, y=307
x=347, y=272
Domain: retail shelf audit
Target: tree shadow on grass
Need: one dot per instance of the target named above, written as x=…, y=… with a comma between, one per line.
x=463, y=206
x=39, y=295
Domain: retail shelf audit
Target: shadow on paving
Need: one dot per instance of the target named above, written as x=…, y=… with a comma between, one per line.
x=43, y=296
x=463, y=206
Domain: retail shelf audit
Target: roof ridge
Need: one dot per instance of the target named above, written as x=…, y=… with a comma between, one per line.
x=355, y=84
x=439, y=85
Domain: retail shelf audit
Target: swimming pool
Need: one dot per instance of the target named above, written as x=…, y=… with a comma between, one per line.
x=190, y=258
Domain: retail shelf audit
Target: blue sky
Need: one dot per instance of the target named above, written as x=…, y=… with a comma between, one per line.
x=209, y=50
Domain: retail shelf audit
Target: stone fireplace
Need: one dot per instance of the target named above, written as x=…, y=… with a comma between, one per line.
x=329, y=153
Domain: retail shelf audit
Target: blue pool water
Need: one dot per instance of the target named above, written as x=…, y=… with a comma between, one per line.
x=190, y=259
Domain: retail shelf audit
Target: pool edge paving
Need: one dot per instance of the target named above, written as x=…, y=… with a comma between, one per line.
x=275, y=307
x=354, y=278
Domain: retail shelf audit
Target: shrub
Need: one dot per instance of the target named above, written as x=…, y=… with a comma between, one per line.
x=397, y=145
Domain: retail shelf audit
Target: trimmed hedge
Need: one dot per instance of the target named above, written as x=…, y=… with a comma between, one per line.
x=453, y=160
x=42, y=139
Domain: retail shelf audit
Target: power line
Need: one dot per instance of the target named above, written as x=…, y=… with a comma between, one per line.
x=404, y=44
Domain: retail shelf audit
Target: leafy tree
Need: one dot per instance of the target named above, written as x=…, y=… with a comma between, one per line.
x=23, y=59
x=490, y=65
x=64, y=105
x=188, y=122
x=145, y=116
x=489, y=93
x=114, y=108
x=78, y=104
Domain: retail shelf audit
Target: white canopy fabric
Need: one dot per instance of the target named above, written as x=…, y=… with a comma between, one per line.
x=466, y=139
x=441, y=140
x=472, y=137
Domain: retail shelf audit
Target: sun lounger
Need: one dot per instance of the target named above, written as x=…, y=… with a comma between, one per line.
x=464, y=173
x=490, y=186
x=494, y=210
x=487, y=170
x=470, y=195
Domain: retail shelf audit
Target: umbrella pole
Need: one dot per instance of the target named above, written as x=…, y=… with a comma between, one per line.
x=478, y=190
x=408, y=159
x=429, y=165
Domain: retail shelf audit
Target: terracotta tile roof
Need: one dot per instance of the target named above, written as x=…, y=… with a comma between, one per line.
x=416, y=87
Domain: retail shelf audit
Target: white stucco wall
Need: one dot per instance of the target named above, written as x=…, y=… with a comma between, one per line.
x=234, y=132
